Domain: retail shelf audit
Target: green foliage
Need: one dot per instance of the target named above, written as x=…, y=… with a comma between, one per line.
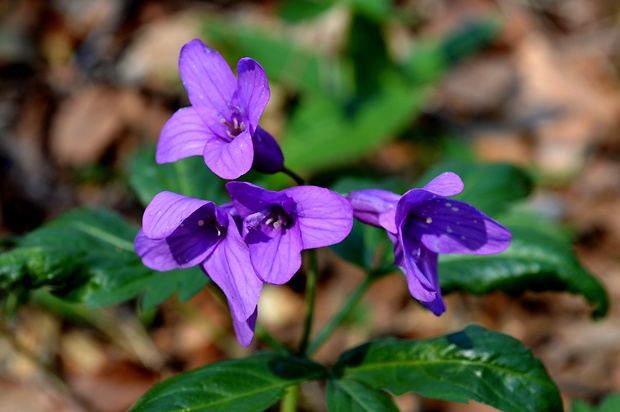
x=189, y=177
x=385, y=99
x=87, y=256
x=456, y=367
x=534, y=261
x=367, y=247
x=320, y=123
x=251, y=384
x=366, y=39
x=296, y=11
x=285, y=61
x=378, y=10
x=476, y=363
x=492, y=188
x=299, y=10
x=609, y=404
x=345, y=395
x=540, y=257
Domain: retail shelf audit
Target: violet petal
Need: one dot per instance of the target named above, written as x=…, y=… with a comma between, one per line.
x=268, y=157
x=244, y=329
x=249, y=199
x=155, y=253
x=167, y=211
x=277, y=258
x=427, y=263
x=209, y=81
x=451, y=226
x=446, y=184
x=252, y=92
x=375, y=207
x=231, y=269
x=422, y=285
x=229, y=160
x=183, y=135
x=324, y=217
x=196, y=237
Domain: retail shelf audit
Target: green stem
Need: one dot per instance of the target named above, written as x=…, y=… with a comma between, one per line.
x=289, y=402
x=298, y=179
x=181, y=170
x=311, y=281
x=345, y=310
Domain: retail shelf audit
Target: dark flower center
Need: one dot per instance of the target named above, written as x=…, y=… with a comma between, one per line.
x=278, y=217
x=198, y=232
x=427, y=220
x=234, y=127
x=272, y=221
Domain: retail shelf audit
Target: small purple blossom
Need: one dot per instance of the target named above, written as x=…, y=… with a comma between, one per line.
x=424, y=223
x=181, y=232
x=277, y=226
x=222, y=122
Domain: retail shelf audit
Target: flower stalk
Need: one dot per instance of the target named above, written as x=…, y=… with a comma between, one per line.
x=298, y=179
x=337, y=319
x=289, y=402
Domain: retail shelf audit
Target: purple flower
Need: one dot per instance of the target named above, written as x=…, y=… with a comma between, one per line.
x=181, y=232
x=277, y=226
x=222, y=123
x=423, y=223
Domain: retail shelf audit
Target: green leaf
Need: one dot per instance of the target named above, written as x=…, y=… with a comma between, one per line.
x=366, y=246
x=476, y=363
x=284, y=61
x=379, y=10
x=250, y=384
x=320, y=123
x=189, y=177
x=300, y=10
x=186, y=283
x=534, y=261
x=65, y=254
x=345, y=395
x=492, y=188
x=609, y=404
x=366, y=39
x=429, y=60
x=87, y=256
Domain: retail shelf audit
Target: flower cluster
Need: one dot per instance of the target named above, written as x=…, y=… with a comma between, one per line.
x=259, y=236
x=222, y=122
x=423, y=223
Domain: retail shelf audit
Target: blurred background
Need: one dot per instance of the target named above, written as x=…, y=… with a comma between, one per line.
x=85, y=86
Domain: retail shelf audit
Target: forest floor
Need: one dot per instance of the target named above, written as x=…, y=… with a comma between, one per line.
x=84, y=84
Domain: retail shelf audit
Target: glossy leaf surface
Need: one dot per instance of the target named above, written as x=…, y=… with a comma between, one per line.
x=249, y=384
x=476, y=363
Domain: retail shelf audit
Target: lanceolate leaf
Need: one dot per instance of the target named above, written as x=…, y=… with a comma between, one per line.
x=250, y=384
x=87, y=255
x=534, y=261
x=345, y=395
x=476, y=363
x=321, y=122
